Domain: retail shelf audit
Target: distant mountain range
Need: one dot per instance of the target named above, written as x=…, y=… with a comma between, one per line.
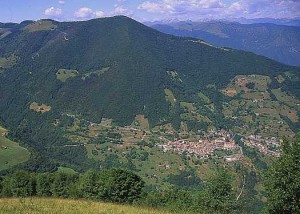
x=278, y=42
x=287, y=22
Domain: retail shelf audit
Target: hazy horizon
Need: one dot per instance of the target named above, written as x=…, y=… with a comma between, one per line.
x=149, y=10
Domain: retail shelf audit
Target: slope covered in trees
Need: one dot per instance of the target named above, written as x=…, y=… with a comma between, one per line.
x=138, y=59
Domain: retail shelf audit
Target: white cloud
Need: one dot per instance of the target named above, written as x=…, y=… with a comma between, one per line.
x=179, y=6
x=217, y=9
x=53, y=12
x=99, y=14
x=84, y=12
x=265, y=9
x=61, y=1
x=88, y=13
x=120, y=10
x=151, y=7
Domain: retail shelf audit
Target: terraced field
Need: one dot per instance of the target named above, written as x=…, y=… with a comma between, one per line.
x=260, y=110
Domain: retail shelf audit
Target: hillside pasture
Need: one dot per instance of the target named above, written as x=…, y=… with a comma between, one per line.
x=256, y=95
x=7, y=62
x=290, y=113
x=64, y=74
x=280, y=79
x=285, y=98
x=142, y=122
x=241, y=83
x=11, y=153
x=170, y=97
x=41, y=25
x=39, y=108
x=230, y=92
x=66, y=170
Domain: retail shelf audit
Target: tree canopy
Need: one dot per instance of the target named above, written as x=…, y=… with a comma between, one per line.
x=283, y=180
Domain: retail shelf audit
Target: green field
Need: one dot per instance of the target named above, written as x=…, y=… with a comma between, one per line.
x=66, y=170
x=41, y=25
x=64, y=74
x=67, y=206
x=10, y=152
x=170, y=97
x=7, y=62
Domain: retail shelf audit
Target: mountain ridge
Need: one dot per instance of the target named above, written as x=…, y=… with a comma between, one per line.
x=259, y=38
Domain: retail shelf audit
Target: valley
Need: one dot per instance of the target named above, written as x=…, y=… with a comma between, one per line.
x=173, y=110
x=161, y=152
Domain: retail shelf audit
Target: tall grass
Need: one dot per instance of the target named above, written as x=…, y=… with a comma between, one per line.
x=68, y=206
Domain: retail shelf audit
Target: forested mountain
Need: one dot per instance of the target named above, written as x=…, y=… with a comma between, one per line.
x=59, y=80
x=277, y=42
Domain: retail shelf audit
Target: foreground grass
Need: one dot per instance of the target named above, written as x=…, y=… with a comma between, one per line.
x=66, y=206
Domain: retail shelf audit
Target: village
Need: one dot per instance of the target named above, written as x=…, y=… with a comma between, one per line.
x=206, y=145
x=214, y=143
x=268, y=145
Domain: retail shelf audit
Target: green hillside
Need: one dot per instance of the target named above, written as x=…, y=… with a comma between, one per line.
x=111, y=93
x=11, y=153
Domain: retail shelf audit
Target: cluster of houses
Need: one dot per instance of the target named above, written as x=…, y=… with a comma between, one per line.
x=204, y=147
x=269, y=145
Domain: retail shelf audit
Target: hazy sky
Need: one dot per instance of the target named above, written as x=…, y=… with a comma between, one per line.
x=147, y=10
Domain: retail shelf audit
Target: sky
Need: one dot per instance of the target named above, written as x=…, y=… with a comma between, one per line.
x=147, y=10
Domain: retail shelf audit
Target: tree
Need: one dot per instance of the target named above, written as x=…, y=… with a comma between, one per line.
x=64, y=185
x=283, y=180
x=218, y=196
x=43, y=184
x=90, y=185
x=174, y=199
x=19, y=184
x=121, y=186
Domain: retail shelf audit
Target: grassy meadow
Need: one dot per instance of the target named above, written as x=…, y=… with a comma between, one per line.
x=10, y=152
x=68, y=206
